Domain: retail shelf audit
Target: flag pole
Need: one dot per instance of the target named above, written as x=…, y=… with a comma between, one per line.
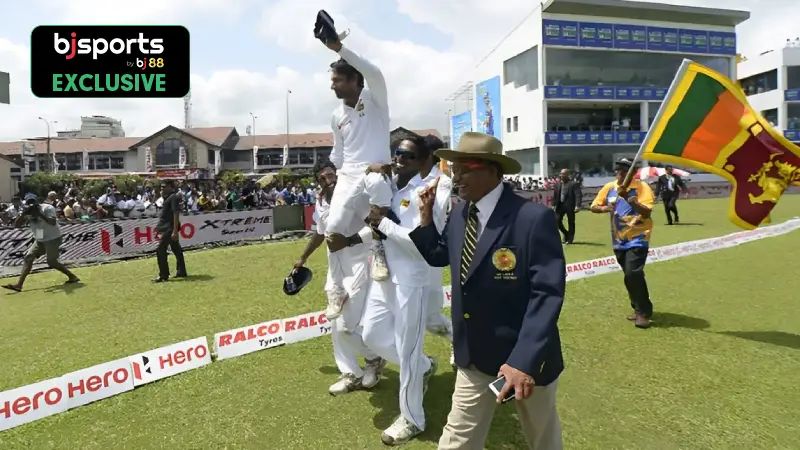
x=678, y=75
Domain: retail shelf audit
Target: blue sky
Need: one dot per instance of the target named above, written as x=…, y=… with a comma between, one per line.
x=247, y=53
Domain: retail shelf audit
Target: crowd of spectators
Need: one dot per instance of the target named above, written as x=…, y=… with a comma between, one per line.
x=145, y=201
x=531, y=184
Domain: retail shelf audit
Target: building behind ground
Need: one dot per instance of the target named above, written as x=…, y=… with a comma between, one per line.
x=171, y=152
x=10, y=175
x=578, y=82
x=771, y=81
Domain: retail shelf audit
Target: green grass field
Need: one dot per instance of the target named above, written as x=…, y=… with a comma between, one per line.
x=719, y=369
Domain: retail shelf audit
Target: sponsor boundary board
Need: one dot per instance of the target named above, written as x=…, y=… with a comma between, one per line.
x=35, y=401
x=129, y=237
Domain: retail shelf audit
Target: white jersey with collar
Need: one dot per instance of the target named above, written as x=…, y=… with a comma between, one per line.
x=406, y=265
x=361, y=133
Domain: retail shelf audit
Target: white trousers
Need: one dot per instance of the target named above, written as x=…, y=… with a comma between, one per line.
x=435, y=321
x=354, y=193
x=394, y=326
x=346, y=330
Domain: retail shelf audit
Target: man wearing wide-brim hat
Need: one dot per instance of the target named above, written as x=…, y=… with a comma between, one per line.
x=507, y=276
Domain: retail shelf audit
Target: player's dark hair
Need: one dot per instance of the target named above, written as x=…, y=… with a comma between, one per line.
x=321, y=165
x=419, y=143
x=341, y=67
x=433, y=143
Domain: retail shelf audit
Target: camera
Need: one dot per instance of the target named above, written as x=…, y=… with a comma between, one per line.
x=31, y=208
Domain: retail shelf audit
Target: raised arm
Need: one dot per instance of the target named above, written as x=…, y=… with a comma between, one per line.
x=372, y=75
x=431, y=244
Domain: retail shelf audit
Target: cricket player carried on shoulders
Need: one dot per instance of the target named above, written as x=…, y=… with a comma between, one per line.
x=360, y=127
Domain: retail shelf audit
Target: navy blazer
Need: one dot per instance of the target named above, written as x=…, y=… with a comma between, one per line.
x=507, y=311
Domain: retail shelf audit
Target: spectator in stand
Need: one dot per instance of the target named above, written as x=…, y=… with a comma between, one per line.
x=122, y=206
x=52, y=198
x=77, y=207
x=311, y=194
x=248, y=197
x=69, y=213
x=286, y=194
x=105, y=204
x=14, y=208
x=192, y=205
x=203, y=203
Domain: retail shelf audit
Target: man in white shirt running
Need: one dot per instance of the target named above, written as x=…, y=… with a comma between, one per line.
x=394, y=322
x=346, y=334
x=360, y=127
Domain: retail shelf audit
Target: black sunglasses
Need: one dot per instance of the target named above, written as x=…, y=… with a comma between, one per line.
x=405, y=154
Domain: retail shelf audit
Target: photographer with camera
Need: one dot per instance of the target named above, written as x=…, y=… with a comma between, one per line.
x=47, y=239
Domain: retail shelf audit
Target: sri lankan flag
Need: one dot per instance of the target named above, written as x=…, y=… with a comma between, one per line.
x=706, y=123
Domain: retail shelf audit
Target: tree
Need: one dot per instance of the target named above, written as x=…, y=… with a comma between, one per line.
x=40, y=183
x=94, y=188
x=231, y=178
x=128, y=184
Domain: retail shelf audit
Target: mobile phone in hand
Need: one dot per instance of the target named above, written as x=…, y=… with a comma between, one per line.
x=497, y=385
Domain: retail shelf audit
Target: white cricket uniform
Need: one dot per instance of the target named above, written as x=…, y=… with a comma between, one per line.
x=435, y=321
x=346, y=331
x=394, y=322
x=360, y=138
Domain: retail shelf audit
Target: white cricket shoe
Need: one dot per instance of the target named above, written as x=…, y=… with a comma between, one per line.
x=372, y=372
x=337, y=296
x=379, y=269
x=400, y=432
x=347, y=383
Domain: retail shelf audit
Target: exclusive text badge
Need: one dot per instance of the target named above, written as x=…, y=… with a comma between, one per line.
x=110, y=61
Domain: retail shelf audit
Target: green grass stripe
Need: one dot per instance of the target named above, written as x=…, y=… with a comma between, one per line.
x=699, y=100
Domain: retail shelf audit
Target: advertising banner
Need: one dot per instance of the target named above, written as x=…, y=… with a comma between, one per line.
x=596, y=34
x=633, y=37
x=487, y=107
x=460, y=124
x=85, y=241
x=637, y=37
x=181, y=157
x=662, y=39
x=148, y=160
x=305, y=326
x=33, y=402
x=240, y=341
x=98, y=382
x=560, y=32
x=170, y=360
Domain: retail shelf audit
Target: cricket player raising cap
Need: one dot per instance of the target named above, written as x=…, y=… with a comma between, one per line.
x=360, y=127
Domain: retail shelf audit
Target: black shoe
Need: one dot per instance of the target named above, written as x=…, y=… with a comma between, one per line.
x=159, y=280
x=181, y=275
